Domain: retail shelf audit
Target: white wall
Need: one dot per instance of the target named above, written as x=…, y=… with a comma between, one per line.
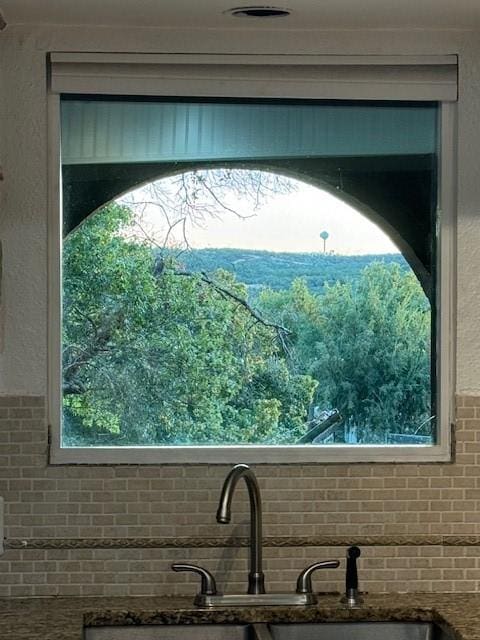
x=23, y=156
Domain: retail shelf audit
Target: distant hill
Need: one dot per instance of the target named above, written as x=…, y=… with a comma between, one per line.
x=260, y=269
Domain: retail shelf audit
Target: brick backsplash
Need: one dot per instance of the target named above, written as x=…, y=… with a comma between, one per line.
x=424, y=501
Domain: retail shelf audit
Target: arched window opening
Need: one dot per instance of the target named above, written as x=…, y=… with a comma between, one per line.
x=244, y=306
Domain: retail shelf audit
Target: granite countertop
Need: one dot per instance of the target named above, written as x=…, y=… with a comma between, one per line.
x=64, y=618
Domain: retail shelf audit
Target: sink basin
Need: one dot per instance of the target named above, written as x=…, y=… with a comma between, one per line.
x=358, y=631
x=261, y=631
x=172, y=632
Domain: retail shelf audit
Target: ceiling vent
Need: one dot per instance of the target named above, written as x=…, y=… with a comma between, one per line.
x=259, y=11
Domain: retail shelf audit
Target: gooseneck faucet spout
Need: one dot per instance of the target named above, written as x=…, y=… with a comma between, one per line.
x=256, y=579
x=255, y=596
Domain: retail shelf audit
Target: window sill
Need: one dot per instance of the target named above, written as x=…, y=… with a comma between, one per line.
x=321, y=454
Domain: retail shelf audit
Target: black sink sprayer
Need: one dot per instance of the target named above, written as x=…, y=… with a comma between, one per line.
x=352, y=597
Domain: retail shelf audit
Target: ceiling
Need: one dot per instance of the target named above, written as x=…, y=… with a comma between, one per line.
x=201, y=14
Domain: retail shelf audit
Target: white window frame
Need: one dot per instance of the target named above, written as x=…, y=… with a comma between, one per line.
x=326, y=88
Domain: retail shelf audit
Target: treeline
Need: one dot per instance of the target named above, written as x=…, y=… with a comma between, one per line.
x=159, y=351
x=276, y=270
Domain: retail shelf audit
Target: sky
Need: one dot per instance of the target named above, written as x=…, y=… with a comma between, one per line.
x=293, y=222
x=289, y=222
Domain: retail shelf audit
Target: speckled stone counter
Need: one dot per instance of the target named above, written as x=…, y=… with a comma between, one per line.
x=65, y=618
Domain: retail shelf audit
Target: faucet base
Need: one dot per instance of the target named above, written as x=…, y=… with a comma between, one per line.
x=256, y=583
x=255, y=600
x=352, y=599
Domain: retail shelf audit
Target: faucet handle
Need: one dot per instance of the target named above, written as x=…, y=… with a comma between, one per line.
x=208, y=586
x=304, y=581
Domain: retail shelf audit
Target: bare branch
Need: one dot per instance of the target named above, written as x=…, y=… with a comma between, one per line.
x=192, y=198
x=222, y=205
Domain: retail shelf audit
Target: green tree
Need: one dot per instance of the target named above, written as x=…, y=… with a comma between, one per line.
x=154, y=354
x=373, y=357
x=367, y=345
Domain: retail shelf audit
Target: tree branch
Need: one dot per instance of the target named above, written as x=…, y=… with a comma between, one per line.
x=282, y=332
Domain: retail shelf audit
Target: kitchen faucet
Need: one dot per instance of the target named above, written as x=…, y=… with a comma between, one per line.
x=256, y=579
x=256, y=595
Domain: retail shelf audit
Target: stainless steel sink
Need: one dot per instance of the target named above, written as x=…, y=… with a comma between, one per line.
x=261, y=631
x=358, y=631
x=172, y=632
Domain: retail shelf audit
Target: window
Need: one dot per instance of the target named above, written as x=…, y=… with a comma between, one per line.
x=185, y=339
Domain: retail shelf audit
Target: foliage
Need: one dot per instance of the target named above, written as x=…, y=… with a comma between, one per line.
x=161, y=350
x=166, y=357
x=373, y=356
x=367, y=344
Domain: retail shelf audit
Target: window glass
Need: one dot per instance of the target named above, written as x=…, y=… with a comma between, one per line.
x=248, y=273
